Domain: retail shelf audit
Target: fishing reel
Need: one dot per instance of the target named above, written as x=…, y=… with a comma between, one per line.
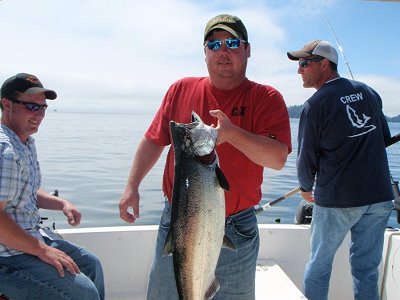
x=43, y=219
x=304, y=213
x=305, y=209
x=396, y=201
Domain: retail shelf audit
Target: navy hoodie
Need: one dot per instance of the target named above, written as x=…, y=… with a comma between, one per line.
x=341, y=146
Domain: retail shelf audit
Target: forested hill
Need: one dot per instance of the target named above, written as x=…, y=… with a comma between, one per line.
x=294, y=112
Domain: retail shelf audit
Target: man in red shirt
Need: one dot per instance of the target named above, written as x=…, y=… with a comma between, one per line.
x=253, y=133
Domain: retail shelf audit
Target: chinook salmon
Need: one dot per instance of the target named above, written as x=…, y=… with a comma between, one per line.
x=197, y=225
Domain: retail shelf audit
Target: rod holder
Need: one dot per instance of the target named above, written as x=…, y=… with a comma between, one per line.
x=396, y=201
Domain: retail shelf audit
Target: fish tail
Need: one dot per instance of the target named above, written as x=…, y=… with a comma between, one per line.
x=212, y=289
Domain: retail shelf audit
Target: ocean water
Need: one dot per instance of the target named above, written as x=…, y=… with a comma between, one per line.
x=87, y=157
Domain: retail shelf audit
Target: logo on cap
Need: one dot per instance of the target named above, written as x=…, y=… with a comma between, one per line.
x=33, y=79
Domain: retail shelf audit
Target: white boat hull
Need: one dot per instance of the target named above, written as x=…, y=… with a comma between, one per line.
x=127, y=251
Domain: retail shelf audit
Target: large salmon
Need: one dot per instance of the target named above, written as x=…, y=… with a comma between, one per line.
x=197, y=225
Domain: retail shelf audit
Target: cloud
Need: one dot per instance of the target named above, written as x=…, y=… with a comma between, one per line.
x=100, y=54
x=387, y=88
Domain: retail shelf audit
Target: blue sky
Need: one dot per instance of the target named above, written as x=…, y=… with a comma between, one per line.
x=122, y=55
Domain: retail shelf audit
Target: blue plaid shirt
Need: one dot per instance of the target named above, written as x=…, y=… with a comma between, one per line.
x=20, y=181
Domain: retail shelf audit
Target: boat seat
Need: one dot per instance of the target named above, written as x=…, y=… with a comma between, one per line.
x=273, y=283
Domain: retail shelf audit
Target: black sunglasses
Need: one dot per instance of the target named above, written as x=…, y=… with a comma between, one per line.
x=304, y=63
x=231, y=43
x=30, y=105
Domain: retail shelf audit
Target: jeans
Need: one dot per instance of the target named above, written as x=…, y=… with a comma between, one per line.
x=329, y=227
x=26, y=277
x=235, y=269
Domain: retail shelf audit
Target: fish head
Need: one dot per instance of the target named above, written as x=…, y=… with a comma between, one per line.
x=196, y=138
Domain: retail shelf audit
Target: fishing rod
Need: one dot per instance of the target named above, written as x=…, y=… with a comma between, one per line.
x=337, y=42
x=283, y=197
x=391, y=141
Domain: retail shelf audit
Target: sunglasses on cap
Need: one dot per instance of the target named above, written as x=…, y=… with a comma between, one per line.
x=304, y=63
x=231, y=43
x=29, y=105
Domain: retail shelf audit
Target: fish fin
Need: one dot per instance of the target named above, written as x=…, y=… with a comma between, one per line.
x=195, y=117
x=222, y=179
x=227, y=243
x=168, y=246
x=212, y=289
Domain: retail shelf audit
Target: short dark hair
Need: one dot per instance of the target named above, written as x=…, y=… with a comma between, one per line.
x=333, y=66
x=12, y=96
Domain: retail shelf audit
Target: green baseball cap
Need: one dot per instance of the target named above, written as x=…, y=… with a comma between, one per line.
x=229, y=23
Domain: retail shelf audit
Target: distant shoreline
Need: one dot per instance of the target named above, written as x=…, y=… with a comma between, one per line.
x=294, y=112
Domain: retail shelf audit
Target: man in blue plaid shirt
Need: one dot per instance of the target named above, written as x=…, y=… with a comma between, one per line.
x=33, y=264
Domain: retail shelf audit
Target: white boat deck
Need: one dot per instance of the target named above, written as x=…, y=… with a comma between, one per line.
x=273, y=283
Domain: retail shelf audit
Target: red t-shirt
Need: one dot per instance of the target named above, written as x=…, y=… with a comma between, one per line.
x=259, y=109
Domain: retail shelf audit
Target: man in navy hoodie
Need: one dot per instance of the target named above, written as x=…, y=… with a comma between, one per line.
x=341, y=154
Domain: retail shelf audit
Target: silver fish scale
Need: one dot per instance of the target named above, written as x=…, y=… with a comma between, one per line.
x=197, y=224
x=198, y=229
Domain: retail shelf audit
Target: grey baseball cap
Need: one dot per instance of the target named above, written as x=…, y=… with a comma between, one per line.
x=318, y=47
